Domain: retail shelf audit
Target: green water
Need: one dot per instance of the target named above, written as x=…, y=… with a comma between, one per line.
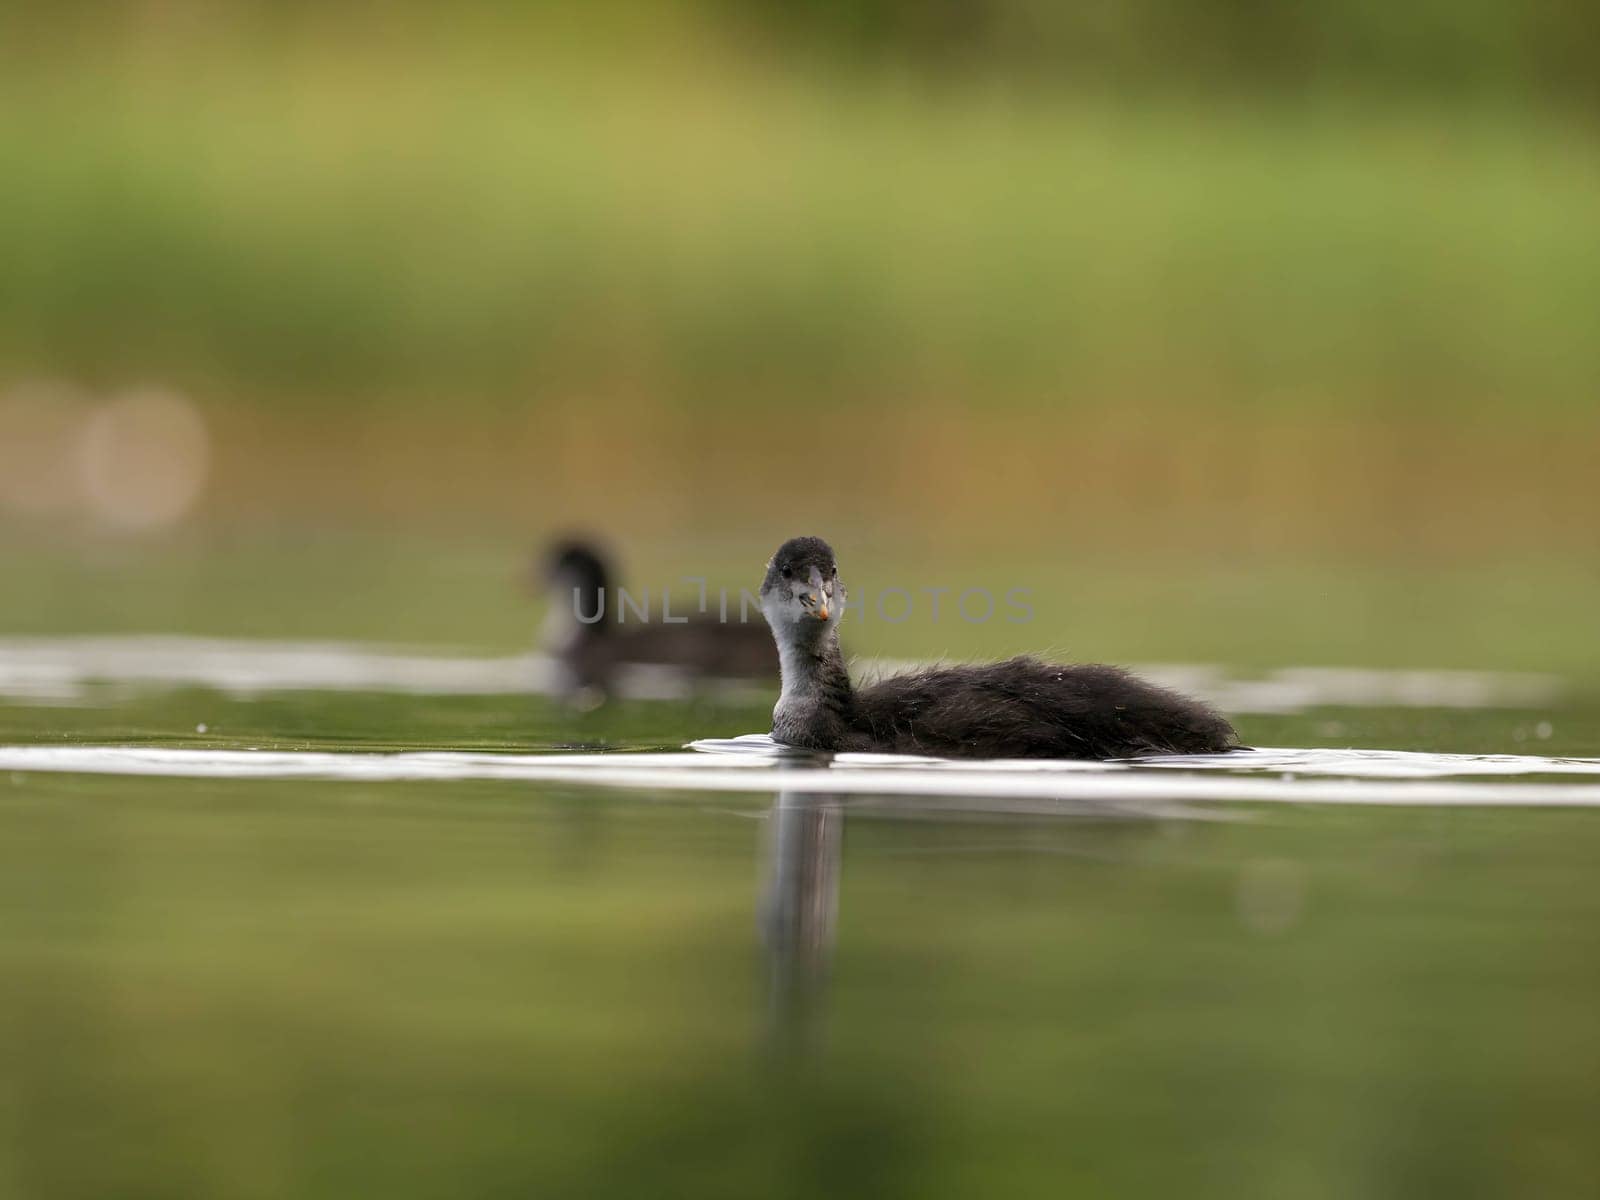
x=308, y=989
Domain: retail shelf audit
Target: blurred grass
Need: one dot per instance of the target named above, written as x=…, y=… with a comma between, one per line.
x=315, y=223
x=1245, y=374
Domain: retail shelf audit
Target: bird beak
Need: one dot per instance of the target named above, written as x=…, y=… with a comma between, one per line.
x=819, y=589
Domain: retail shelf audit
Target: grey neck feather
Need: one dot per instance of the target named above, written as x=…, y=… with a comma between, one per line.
x=814, y=704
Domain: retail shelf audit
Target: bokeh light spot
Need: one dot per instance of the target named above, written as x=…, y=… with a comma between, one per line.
x=143, y=460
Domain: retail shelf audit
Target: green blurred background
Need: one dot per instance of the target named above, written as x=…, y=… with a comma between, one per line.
x=1242, y=332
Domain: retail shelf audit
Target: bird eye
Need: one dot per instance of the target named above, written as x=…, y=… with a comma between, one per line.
x=787, y=573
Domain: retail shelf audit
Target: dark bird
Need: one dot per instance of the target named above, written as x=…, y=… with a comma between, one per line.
x=593, y=639
x=1020, y=708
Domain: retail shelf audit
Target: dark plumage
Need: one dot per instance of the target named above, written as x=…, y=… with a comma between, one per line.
x=1020, y=708
x=584, y=634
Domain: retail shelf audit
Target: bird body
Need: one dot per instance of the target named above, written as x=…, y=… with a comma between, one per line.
x=1020, y=708
x=586, y=636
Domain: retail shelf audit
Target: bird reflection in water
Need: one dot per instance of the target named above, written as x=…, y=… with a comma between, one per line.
x=799, y=913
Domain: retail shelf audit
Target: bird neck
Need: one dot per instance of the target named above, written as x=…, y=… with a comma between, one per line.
x=816, y=702
x=577, y=610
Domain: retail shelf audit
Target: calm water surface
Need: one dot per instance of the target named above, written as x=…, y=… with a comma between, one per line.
x=812, y=981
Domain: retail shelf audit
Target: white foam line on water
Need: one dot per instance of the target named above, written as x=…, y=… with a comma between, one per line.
x=1379, y=764
x=1113, y=783
x=61, y=668
x=64, y=669
x=1263, y=760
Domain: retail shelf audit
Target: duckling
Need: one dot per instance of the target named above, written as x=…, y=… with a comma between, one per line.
x=583, y=634
x=1020, y=708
